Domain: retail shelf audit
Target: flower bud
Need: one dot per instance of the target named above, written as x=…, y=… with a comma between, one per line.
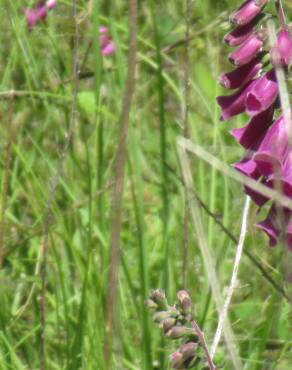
x=179, y=331
x=176, y=359
x=168, y=324
x=158, y=317
x=184, y=301
x=188, y=350
x=158, y=296
x=150, y=304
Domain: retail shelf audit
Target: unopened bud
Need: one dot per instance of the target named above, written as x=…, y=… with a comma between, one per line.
x=184, y=301
x=188, y=350
x=158, y=296
x=176, y=359
x=158, y=317
x=150, y=304
x=178, y=332
x=168, y=324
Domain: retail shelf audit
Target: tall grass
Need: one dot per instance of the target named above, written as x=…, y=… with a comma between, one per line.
x=37, y=95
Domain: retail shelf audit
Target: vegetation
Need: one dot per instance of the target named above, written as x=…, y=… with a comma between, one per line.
x=59, y=141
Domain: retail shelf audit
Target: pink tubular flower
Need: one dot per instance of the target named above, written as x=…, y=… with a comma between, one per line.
x=263, y=94
x=247, y=12
x=250, y=135
x=281, y=54
x=239, y=35
x=240, y=76
x=273, y=149
x=248, y=167
x=246, y=51
x=234, y=104
x=107, y=46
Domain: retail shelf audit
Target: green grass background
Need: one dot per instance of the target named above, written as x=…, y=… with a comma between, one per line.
x=153, y=209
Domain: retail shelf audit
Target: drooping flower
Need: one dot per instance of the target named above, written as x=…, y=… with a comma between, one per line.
x=241, y=75
x=267, y=158
x=263, y=94
x=234, y=104
x=273, y=149
x=252, y=134
x=247, y=50
x=107, y=46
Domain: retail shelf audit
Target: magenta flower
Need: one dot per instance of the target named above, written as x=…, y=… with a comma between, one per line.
x=246, y=51
x=248, y=167
x=238, y=35
x=234, y=104
x=251, y=135
x=281, y=54
x=262, y=94
x=271, y=154
x=247, y=12
x=268, y=157
x=107, y=46
x=241, y=76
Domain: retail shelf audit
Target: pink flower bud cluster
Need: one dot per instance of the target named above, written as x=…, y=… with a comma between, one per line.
x=268, y=157
x=38, y=13
x=176, y=322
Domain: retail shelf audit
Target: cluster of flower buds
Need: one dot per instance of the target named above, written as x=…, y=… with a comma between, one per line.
x=176, y=324
x=265, y=138
x=38, y=13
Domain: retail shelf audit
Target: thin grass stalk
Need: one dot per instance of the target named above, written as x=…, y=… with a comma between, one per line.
x=163, y=152
x=98, y=119
x=6, y=174
x=55, y=180
x=117, y=196
x=186, y=129
x=206, y=254
x=231, y=287
x=137, y=194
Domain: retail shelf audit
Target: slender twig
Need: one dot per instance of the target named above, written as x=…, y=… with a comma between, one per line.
x=281, y=13
x=119, y=182
x=202, y=340
x=55, y=180
x=163, y=142
x=6, y=174
x=188, y=13
x=230, y=291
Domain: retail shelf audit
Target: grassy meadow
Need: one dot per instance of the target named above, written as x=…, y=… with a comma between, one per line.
x=59, y=138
